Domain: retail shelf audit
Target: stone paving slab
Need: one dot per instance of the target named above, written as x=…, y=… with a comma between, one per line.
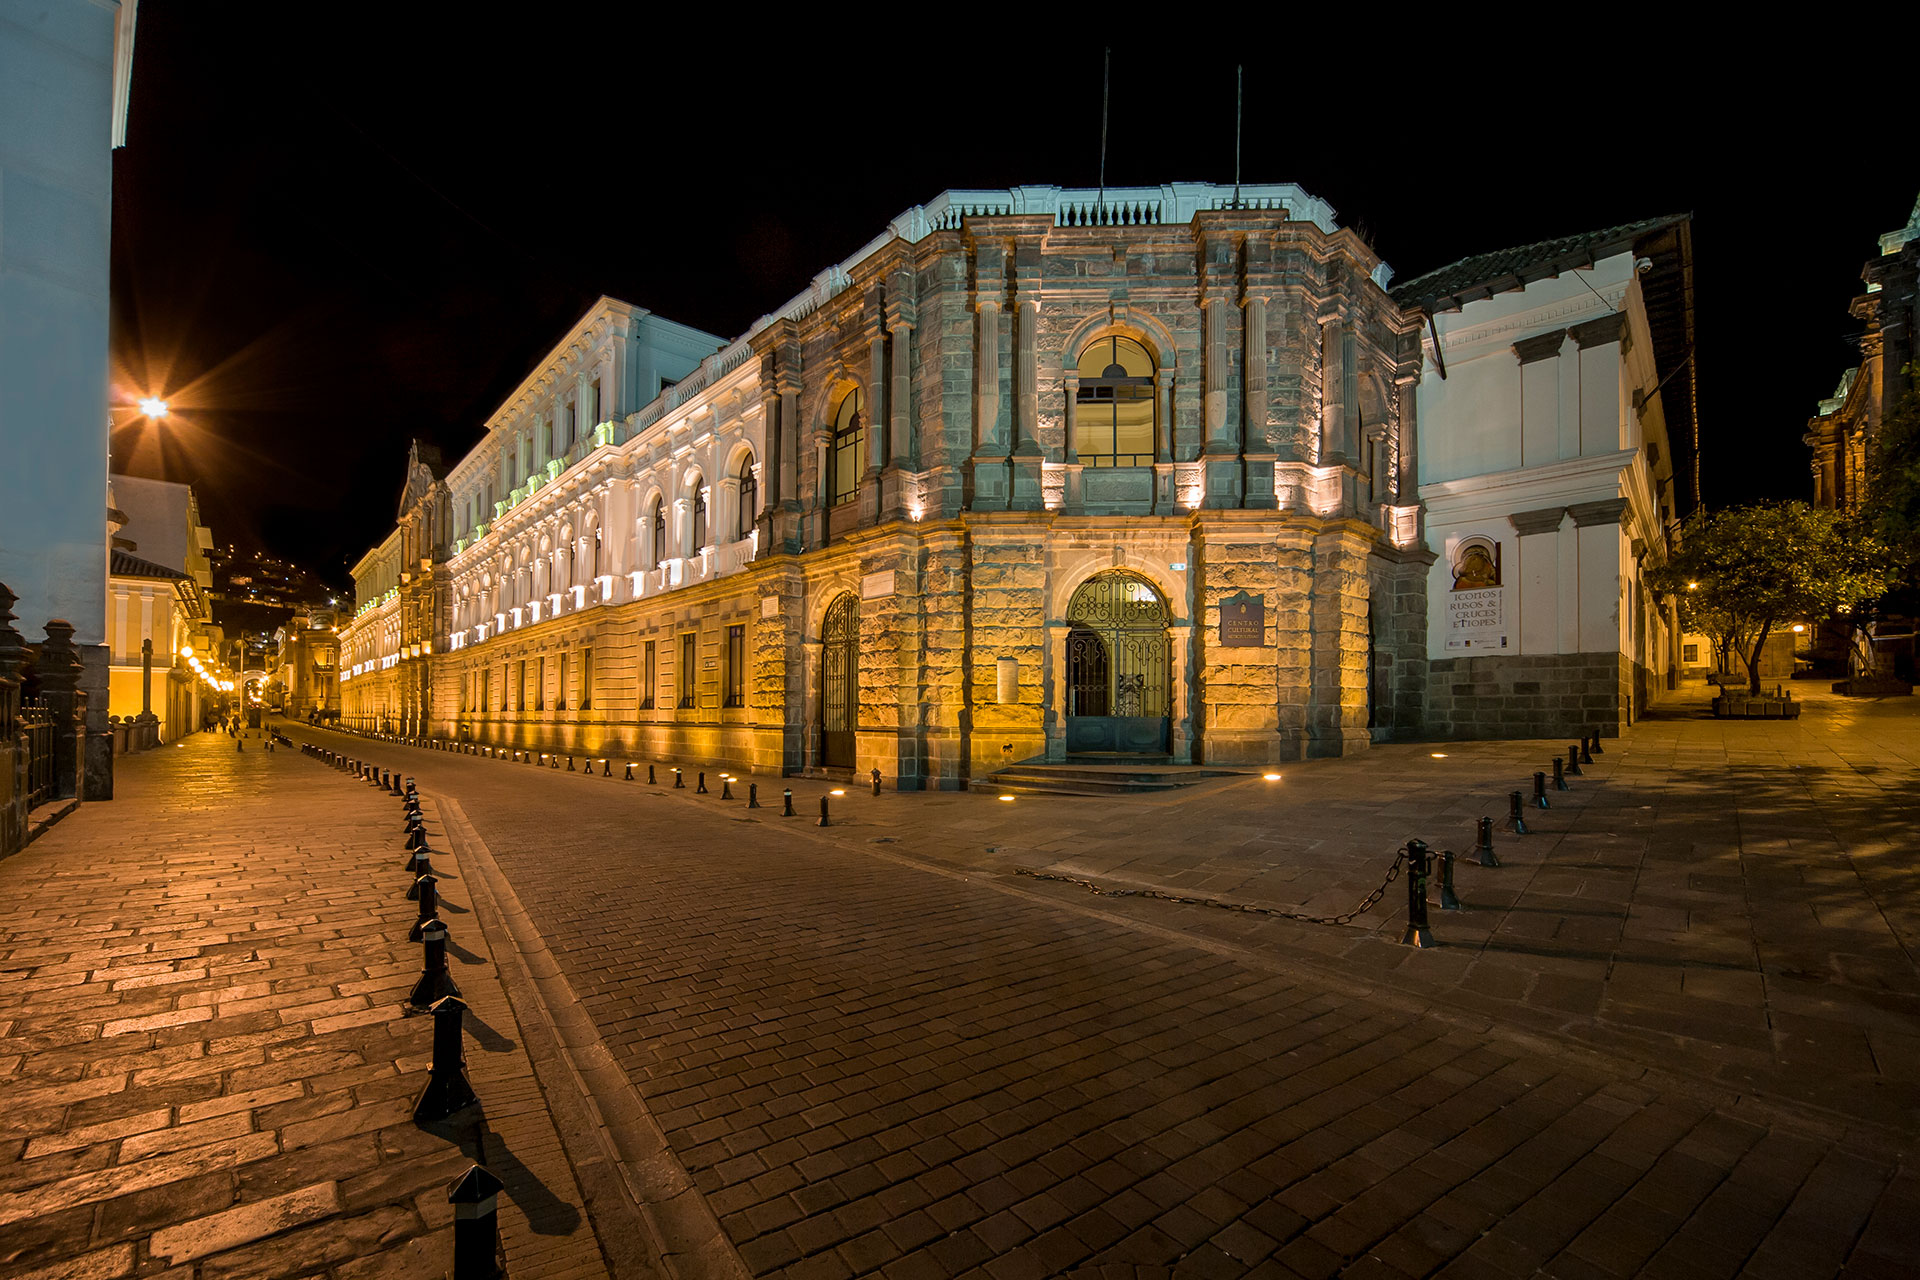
x=207, y=1068
x=1730, y=898
x=875, y=1059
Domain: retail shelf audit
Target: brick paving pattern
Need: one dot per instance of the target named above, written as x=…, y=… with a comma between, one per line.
x=206, y=1067
x=921, y=1065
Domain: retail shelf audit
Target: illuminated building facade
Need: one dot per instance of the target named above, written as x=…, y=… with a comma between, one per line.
x=1035, y=473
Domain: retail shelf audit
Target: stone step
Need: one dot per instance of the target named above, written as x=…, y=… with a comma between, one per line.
x=1054, y=779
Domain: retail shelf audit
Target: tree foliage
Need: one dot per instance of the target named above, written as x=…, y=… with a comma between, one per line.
x=1740, y=573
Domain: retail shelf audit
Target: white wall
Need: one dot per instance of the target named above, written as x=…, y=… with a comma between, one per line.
x=1499, y=438
x=57, y=93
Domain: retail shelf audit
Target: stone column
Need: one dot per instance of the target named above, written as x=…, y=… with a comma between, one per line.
x=1256, y=448
x=1180, y=691
x=1027, y=454
x=1333, y=382
x=1055, y=684
x=1165, y=501
x=1073, y=498
x=991, y=488
x=901, y=451
x=57, y=670
x=876, y=401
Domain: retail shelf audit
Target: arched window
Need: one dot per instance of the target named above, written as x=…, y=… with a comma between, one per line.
x=749, y=498
x=699, y=519
x=659, y=532
x=1115, y=405
x=847, y=459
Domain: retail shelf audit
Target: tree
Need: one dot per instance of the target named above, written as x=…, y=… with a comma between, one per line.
x=1739, y=573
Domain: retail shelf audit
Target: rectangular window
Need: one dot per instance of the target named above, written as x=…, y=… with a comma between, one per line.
x=736, y=666
x=466, y=691
x=593, y=404
x=649, y=677
x=572, y=426
x=560, y=693
x=586, y=679
x=540, y=686
x=1689, y=653
x=688, y=644
x=520, y=686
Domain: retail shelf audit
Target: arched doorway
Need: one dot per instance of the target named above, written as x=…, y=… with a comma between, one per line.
x=1118, y=666
x=839, y=682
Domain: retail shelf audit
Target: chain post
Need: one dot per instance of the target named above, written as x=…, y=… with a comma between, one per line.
x=1419, y=869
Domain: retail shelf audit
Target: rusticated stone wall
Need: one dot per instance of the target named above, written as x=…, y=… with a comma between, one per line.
x=1530, y=696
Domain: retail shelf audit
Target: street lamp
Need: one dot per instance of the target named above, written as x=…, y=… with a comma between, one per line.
x=153, y=407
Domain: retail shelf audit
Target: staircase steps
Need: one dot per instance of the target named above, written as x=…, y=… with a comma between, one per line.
x=1077, y=779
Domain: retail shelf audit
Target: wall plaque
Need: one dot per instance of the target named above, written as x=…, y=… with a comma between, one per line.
x=1243, y=621
x=875, y=585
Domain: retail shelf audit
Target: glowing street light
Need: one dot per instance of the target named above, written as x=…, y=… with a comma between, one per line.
x=153, y=407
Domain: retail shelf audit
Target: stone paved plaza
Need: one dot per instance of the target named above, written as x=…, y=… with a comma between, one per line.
x=1672, y=1035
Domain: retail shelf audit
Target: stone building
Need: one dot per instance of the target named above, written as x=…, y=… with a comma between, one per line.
x=306, y=665
x=1558, y=449
x=1034, y=473
x=1842, y=434
x=157, y=584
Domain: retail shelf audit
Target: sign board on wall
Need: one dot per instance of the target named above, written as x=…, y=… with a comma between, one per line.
x=1477, y=619
x=875, y=585
x=1243, y=621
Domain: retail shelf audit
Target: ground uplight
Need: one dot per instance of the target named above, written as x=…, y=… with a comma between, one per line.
x=1006, y=797
x=1271, y=777
x=1439, y=755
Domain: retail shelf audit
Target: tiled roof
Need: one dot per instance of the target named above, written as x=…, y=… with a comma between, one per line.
x=1485, y=274
x=125, y=564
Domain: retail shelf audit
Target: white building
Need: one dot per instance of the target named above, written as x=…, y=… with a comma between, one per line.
x=1558, y=447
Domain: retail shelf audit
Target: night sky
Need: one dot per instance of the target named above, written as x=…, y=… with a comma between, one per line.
x=336, y=229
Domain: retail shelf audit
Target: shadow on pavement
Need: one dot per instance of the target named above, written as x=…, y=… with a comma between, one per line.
x=468, y=1129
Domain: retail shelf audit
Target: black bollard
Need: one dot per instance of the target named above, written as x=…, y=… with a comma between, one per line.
x=556, y=761
x=629, y=777
x=1449, y=901
x=420, y=873
x=435, y=982
x=701, y=790
x=569, y=764
x=429, y=899
x=1586, y=754
x=238, y=745
x=823, y=813
x=753, y=795
x=1419, y=868
x=1573, y=760
x=650, y=781
x=789, y=813
x=448, y=1089
x=1597, y=748
x=1484, y=849
x=1559, y=776
x=420, y=864
x=726, y=787
x=876, y=782
x=678, y=781
x=606, y=769
x=1540, y=792
x=1515, y=822
x=474, y=1196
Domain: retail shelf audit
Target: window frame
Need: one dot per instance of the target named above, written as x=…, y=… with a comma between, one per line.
x=736, y=653
x=849, y=438
x=1088, y=403
x=749, y=500
x=586, y=678
x=688, y=694
x=649, y=675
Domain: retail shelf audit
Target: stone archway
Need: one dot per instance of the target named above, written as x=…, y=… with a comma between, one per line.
x=1119, y=667
x=839, y=699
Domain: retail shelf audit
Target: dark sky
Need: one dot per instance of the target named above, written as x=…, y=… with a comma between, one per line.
x=336, y=229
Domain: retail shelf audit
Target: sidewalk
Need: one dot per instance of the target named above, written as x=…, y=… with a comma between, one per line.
x=207, y=1068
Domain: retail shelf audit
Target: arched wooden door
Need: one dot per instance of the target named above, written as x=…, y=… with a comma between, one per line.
x=1119, y=666
x=839, y=682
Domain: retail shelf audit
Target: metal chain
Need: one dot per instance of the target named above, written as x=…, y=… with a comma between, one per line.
x=1365, y=905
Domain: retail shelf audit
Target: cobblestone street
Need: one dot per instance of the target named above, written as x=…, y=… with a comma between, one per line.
x=1670, y=1036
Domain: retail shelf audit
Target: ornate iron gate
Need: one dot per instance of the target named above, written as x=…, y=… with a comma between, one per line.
x=839, y=682
x=1118, y=666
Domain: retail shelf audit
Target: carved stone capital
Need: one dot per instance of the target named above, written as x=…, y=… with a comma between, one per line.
x=1541, y=346
x=1542, y=520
